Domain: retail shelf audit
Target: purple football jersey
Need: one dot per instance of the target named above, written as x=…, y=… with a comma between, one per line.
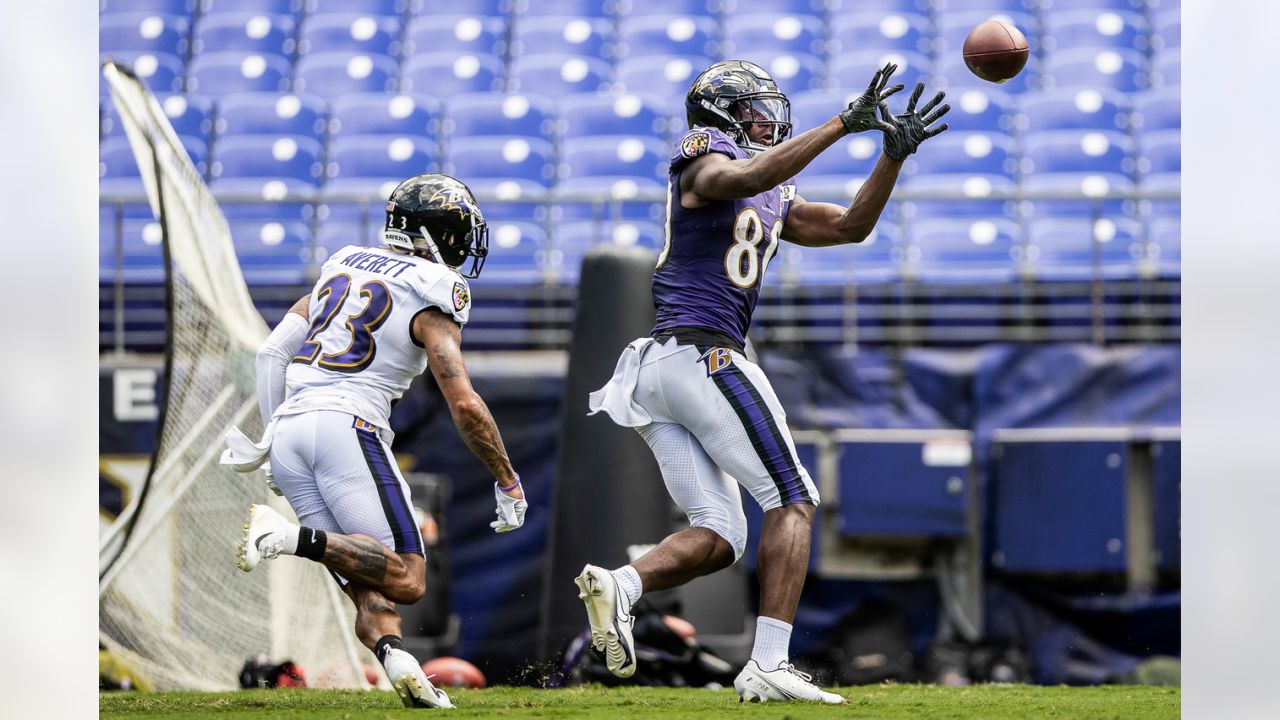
x=710, y=271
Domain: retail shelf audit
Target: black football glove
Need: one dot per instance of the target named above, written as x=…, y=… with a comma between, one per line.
x=861, y=113
x=908, y=130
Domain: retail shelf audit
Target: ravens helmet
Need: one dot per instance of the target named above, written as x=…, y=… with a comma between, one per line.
x=436, y=216
x=735, y=95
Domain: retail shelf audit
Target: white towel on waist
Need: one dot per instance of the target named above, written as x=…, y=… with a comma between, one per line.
x=617, y=397
x=245, y=455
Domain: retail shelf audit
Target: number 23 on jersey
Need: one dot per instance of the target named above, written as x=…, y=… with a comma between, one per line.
x=360, y=324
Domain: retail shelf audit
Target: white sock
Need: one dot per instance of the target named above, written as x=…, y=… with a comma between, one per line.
x=629, y=580
x=773, y=638
x=291, y=538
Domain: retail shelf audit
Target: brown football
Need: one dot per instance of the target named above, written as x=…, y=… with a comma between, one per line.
x=995, y=51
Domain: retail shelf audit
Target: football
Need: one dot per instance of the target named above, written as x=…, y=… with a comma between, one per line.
x=453, y=672
x=995, y=51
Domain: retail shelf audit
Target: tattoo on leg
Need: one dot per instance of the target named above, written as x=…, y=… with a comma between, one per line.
x=359, y=559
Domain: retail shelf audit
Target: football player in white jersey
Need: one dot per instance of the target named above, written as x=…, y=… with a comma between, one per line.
x=376, y=319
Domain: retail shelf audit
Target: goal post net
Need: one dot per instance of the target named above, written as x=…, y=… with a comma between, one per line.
x=172, y=605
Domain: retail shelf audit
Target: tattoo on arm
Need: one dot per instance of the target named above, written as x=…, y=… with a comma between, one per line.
x=360, y=559
x=445, y=358
x=481, y=434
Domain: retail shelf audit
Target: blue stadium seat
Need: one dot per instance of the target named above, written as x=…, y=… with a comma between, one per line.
x=878, y=31
x=190, y=116
x=222, y=73
x=953, y=75
x=510, y=168
x=1166, y=68
x=668, y=37
x=384, y=114
x=1067, y=249
x=1163, y=252
x=1167, y=31
x=964, y=251
x=792, y=71
x=954, y=27
x=749, y=35
x=444, y=74
x=271, y=114
x=555, y=75
x=946, y=7
x=590, y=115
x=143, y=32
x=580, y=8
x=246, y=32
x=475, y=8
x=568, y=35
x=162, y=7
x=877, y=259
x=1159, y=109
x=1075, y=109
x=606, y=169
x=458, y=34
x=336, y=234
x=1122, y=70
x=664, y=77
x=811, y=108
x=272, y=253
x=487, y=114
x=375, y=164
x=271, y=7
x=272, y=167
x=517, y=253
x=573, y=239
x=847, y=7
x=142, y=261
x=789, y=7
x=977, y=164
x=1161, y=162
x=1053, y=6
x=349, y=32
x=838, y=172
x=853, y=70
x=666, y=8
x=333, y=74
x=161, y=72
x=980, y=109
x=118, y=169
x=386, y=8
x=1076, y=29
x=1070, y=161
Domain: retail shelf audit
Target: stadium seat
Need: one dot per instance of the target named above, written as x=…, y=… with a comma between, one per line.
x=811, y=108
x=487, y=114
x=118, y=168
x=160, y=7
x=964, y=251
x=954, y=27
x=1091, y=163
x=668, y=37
x=853, y=70
x=786, y=7
x=572, y=240
x=509, y=168
x=222, y=73
x=953, y=76
x=1159, y=109
x=977, y=164
x=1075, y=109
x=283, y=167
x=142, y=255
x=190, y=116
x=1066, y=249
x=1052, y=6
x=474, y=8
x=848, y=7
x=837, y=173
x=1167, y=31
x=1161, y=162
x=580, y=8
x=246, y=32
x=590, y=115
x=980, y=109
x=1166, y=68
x=271, y=114
x=1076, y=29
x=877, y=259
x=441, y=75
x=568, y=35
x=1163, y=252
x=143, y=33
x=272, y=7
x=385, y=114
x=336, y=234
x=666, y=8
x=272, y=253
x=878, y=31
x=748, y=35
x=162, y=73
x=351, y=33
x=373, y=165
x=556, y=75
x=517, y=253
x=1122, y=70
x=334, y=74
x=664, y=77
x=458, y=34
x=385, y=8
x=946, y=7
x=792, y=72
x=604, y=170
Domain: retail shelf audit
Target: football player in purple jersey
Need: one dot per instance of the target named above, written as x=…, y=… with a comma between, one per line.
x=689, y=389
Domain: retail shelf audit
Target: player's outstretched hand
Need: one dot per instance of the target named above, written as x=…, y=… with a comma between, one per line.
x=861, y=113
x=510, y=510
x=905, y=132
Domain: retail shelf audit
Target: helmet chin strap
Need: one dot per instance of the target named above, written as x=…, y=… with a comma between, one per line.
x=431, y=245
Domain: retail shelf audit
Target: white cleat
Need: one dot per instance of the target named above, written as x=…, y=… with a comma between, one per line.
x=263, y=539
x=411, y=684
x=786, y=684
x=610, y=616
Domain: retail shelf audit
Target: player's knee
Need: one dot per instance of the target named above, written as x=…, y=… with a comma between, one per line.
x=730, y=532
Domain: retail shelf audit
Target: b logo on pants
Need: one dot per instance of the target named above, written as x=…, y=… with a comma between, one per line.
x=716, y=359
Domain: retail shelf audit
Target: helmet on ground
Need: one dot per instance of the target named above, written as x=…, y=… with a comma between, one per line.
x=735, y=95
x=437, y=217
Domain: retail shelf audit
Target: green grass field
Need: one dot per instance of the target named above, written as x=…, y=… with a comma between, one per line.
x=988, y=702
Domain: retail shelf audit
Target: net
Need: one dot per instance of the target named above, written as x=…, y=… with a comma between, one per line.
x=172, y=604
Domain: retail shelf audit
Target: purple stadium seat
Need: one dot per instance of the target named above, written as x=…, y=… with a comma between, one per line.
x=567, y=35
x=787, y=7
x=556, y=75
x=668, y=37
x=246, y=32
x=572, y=240
x=954, y=27
x=1161, y=162
x=1167, y=31
x=877, y=259
x=221, y=73
x=375, y=164
x=964, y=251
x=385, y=8
x=853, y=70
x=953, y=75
x=1167, y=68
x=161, y=7
x=280, y=167
x=270, y=252
x=878, y=31
x=664, y=77
x=190, y=115
x=1091, y=163
x=1081, y=248
x=1075, y=109
x=270, y=7
x=333, y=74
x=793, y=72
x=1159, y=109
x=977, y=164
x=749, y=35
x=666, y=8
x=442, y=75
x=488, y=114
x=589, y=115
x=161, y=72
x=352, y=33
x=475, y=8
x=1122, y=70
x=980, y=109
x=1074, y=29
x=517, y=253
x=509, y=168
x=385, y=114
x=143, y=33
x=271, y=114
x=848, y=7
x=457, y=33
x=579, y=8
x=837, y=174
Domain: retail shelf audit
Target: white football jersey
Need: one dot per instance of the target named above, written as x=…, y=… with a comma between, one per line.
x=360, y=354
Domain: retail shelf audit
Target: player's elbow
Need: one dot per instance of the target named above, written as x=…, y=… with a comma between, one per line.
x=410, y=590
x=467, y=409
